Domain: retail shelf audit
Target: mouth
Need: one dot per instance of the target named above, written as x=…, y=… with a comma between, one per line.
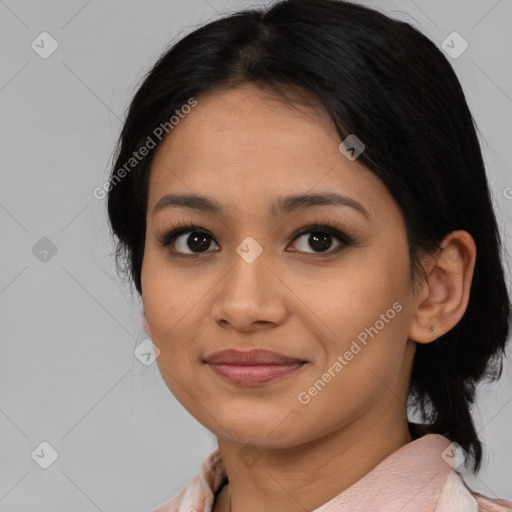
x=253, y=375
x=252, y=368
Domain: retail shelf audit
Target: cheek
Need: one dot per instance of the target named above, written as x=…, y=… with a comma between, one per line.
x=169, y=292
x=341, y=301
x=361, y=314
x=174, y=301
x=165, y=301
x=336, y=306
x=172, y=305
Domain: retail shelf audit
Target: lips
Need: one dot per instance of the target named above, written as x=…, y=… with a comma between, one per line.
x=252, y=368
x=251, y=357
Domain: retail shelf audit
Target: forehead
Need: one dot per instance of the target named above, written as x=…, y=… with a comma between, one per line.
x=247, y=145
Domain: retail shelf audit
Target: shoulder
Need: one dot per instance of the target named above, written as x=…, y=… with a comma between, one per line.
x=199, y=494
x=456, y=496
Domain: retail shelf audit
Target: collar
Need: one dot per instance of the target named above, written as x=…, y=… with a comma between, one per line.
x=410, y=480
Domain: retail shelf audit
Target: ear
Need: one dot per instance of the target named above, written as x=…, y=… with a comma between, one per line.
x=145, y=324
x=443, y=296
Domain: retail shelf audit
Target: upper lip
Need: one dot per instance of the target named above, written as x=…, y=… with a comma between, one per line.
x=250, y=357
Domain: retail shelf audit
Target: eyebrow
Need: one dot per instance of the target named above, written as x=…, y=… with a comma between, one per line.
x=281, y=206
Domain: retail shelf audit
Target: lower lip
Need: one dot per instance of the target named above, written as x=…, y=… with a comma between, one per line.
x=253, y=375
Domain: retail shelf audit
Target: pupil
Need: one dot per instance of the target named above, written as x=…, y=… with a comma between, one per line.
x=198, y=242
x=322, y=239
x=202, y=245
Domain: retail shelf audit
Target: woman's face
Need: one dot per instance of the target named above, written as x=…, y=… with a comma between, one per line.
x=247, y=280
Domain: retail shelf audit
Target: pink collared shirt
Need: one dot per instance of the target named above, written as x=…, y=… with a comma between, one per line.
x=414, y=478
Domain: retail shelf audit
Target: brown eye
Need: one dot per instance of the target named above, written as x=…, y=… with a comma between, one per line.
x=196, y=241
x=188, y=240
x=193, y=240
x=320, y=239
x=316, y=240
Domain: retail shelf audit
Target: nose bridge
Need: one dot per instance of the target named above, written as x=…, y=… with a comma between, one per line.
x=250, y=250
x=249, y=292
x=248, y=265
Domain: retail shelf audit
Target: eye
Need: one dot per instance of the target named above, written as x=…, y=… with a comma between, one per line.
x=191, y=238
x=320, y=238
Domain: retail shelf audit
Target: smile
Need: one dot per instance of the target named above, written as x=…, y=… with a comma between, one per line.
x=253, y=375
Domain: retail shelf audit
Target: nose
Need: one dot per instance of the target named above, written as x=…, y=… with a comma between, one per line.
x=250, y=297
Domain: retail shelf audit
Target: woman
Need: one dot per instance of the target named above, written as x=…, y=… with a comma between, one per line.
x=300, y=199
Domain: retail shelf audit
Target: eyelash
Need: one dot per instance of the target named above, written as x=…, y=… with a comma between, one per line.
x=328, y=228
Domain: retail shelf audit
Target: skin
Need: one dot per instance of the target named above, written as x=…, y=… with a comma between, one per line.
x=243, y=148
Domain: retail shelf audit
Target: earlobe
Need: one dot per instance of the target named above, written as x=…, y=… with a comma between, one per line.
x=446, y=290
x=145, y=324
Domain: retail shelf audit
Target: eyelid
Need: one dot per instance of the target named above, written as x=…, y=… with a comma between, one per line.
x=328, y=226
x=323, y=227
x=169, y=236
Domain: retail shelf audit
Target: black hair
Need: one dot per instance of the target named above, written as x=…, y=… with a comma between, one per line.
x=384, y=81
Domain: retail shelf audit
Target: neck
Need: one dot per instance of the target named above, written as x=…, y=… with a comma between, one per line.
x=305, y=477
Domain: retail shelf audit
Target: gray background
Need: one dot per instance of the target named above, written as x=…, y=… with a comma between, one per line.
x=68, y=375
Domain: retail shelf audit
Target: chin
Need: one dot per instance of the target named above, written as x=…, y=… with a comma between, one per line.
x=262, y=434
